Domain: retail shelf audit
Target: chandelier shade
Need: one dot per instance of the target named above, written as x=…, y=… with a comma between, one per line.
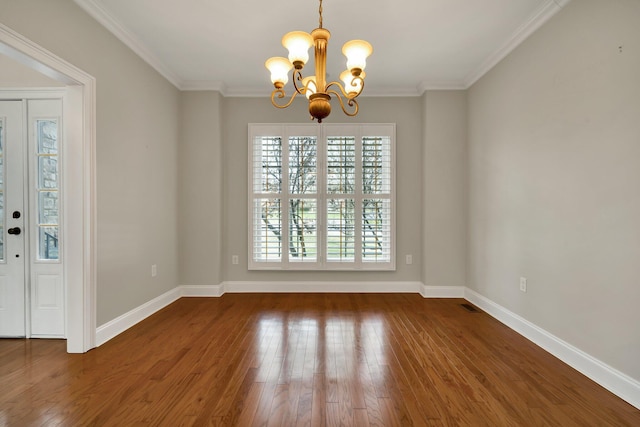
x=298, y=44
x=357, y=52
x=279, y=68
x=315, y=88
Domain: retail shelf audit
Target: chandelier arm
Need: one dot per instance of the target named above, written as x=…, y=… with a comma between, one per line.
x=279, y=93
x=361, y=84
x=334, y=84
x=297, y=76
x=351, y=103
x=343, y=89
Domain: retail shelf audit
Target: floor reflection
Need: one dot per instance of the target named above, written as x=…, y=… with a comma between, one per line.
x=344, y=347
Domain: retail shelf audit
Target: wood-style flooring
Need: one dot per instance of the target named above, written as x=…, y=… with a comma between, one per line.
x=304, y=360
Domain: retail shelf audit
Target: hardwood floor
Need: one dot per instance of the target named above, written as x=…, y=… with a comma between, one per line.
x=303, y=359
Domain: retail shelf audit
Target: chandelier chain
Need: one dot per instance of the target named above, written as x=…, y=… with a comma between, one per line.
x=320, y=12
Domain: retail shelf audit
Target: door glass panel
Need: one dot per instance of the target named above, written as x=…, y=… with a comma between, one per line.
x=48, y=171
x=1, y=190
x=48, y=236
x=48, y=189
x=47, y=137
x=48, y=208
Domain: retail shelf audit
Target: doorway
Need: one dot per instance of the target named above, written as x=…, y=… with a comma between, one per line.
x=79, y=169
x=31, y=263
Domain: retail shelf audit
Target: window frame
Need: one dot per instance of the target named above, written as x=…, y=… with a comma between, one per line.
x=321, y=132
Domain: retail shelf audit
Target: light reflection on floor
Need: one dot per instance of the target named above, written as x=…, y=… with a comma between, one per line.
x=341, y=347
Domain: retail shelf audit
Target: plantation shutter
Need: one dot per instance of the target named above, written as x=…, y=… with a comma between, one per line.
x=321, y=197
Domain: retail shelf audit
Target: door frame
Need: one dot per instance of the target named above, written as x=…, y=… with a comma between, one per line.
x=79, y=186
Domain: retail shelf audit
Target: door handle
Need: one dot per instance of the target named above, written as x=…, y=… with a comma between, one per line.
x=14, y=230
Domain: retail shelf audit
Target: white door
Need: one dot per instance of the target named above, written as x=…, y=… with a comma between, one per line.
x=12, y=235
x=31, y=272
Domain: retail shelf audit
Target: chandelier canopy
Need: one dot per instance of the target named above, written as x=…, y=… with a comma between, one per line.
x=315, y=87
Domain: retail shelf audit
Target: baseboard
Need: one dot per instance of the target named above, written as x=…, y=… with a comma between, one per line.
x=202, y=291
x=120, y=324
x=442, y=291
x=322, y=287
x=613, y=380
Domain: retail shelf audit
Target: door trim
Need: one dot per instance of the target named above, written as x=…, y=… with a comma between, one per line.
x=79, y=203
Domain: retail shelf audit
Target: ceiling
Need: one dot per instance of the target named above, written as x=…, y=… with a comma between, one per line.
x=418, y=44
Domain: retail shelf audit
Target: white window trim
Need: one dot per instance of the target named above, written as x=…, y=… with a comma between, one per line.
x=321, y=132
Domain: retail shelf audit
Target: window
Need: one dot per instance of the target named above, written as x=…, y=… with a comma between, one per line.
x=48, y=189
x=322, y=197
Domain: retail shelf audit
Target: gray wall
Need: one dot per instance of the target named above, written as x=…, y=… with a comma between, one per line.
x=431, y=184
x=554, y=175
x=200, y=189
x=405, y=112
x=137, y=146
x=444, y=189
x=14, y=74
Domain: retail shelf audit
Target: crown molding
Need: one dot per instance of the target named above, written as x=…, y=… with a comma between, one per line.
x=205, y=85
x=389, y=91
x=537, y=19
x=114, y=26
x=547, y=10
x=428, y=85
x=264, y=91
x=562, y=3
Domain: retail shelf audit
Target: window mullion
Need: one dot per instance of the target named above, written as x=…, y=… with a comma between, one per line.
x=357, y=195
x=321, y=149
x=285, y=198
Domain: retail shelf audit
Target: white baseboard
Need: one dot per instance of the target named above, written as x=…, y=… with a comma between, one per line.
x=322, y=287
x=613, y=380
x=120, y=324
x=442, y=291
x=202, y=291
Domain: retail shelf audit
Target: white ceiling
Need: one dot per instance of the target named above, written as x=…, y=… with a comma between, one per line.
x=418, y=44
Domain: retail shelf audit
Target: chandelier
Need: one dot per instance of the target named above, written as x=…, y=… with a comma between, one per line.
x=315, y=88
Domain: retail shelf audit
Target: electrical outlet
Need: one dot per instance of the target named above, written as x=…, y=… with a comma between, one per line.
x=409, y=259
x=154, y=270
x=234, y=259
x=523, y=284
